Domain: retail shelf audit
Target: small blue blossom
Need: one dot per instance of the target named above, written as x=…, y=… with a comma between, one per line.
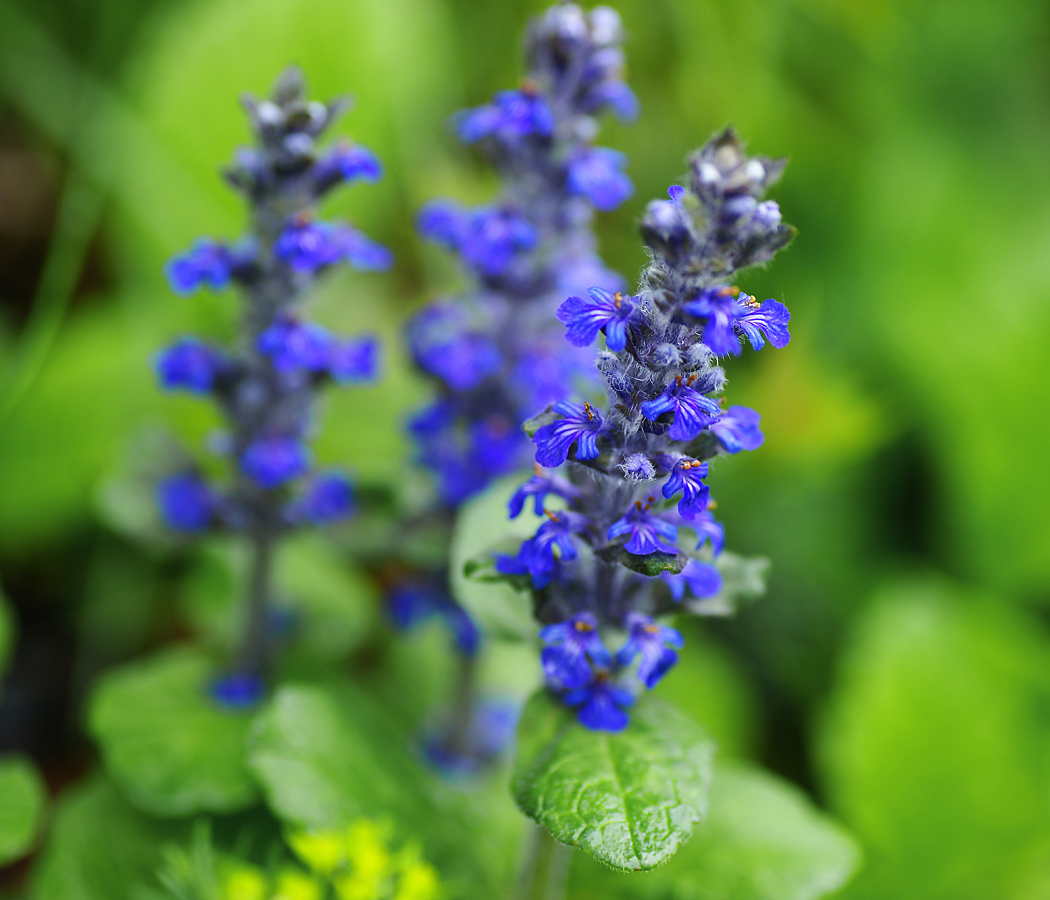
x=522, y=564
x=459, y=757
x=512, y=116
x=186, y=503
x=738, y=429
x=603, y=311
x=557, y=531
x=766, y=322
x=579, y=425
x=645, y=530
x=602, y=704
x=702, y=579
x=443, y=345
x=597, y=174
x=273, y=460
x=293, y=345
x=411, y=604
x=656, y=645
x=354, y=360
x=348, y=162
x=718, y=307
x=237, y=690
x=708, y=529
x=614, y=95
x=496, y=444
x=693, y=412
x=767, y=214
x=307, y=245
x=687, y=476
x=190, y=365
x=571, y=647
x=539, y=486
x=206, y=262
x=328, y=498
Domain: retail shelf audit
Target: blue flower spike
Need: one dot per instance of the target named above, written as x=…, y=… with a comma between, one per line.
x=655, y=644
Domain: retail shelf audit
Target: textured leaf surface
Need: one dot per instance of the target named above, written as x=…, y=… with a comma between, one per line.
x=21, y=804
x=762, y=840
x=168, y=747
x=630, y=799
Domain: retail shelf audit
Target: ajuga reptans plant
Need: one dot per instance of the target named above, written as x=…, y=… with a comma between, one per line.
x=495, y=352
x=635, y=536
x=266, y=385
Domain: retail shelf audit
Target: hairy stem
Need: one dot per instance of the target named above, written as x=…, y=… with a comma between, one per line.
x=253, y=657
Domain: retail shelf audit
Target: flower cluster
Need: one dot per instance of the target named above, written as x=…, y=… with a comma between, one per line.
x=616, y=551
x=267, y=386
x=495, y=352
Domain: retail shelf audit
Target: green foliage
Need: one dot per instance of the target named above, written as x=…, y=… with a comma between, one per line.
x=762, y=840
x=100, y=848
x=164, y=741
x=7, y=633
x=326, y=756
x=936, y=746
x=22, y=798
x=629, y=799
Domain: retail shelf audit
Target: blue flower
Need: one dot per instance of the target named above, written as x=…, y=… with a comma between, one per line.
x=720, y=310
x=411, y=604
x=766, y=322
x=617, y=96
x=693, y=412
x=597, y=174
x=521, y=564
x=738, y=429
x=557, y=531
x=307, y=245
x=511, y=116
x=354, y=360
x=584, y=318
x=190, y=365
x=602, y=704
x=645, y=530
x=237, y=690
x=443, y=345
x=687, y=476
x=329, y=498
x=569, y=646
x=579, y=425
x=538, y=487
x=293, y=345
x=494, y=237
x=702, y=579
x=497, y=444
x=459, y=757
x=707, y=528
x=348, y=162
x=273, y=460
x=186, y=503
x=442, y=221
x=207, y=262
x=654, y=643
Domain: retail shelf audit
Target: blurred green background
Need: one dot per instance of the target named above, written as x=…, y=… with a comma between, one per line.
x=899, y=669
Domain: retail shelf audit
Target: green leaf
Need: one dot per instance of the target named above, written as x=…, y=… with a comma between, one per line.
x=531, y=426
x=482, y=527
x=936, y=746
x=629, y=799
x=652, y=564
x=762, y=840
x=22, y=798
x=327, y=755
x=100, y=848
x=165, y=743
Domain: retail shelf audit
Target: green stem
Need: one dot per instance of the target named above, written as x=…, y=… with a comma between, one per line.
x=545, y=869
x=253, y=657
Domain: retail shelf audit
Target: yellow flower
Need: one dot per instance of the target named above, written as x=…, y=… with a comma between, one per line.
x=322, y=851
